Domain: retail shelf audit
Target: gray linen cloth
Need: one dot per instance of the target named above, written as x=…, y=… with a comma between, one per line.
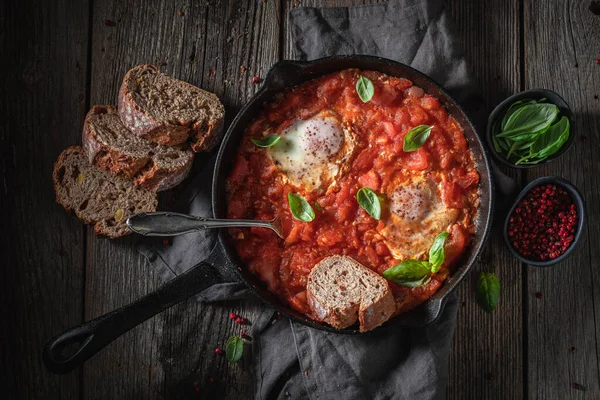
x=295, y=361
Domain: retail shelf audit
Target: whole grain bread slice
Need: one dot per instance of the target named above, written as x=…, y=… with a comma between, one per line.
x=168, y=111
x=110, y=146
x=340, y=290
x=97, y=197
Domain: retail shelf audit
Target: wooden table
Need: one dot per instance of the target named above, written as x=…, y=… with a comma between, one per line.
x=61, y=58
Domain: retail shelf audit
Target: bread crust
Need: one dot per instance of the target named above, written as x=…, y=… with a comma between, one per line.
x=203, y=135
x=369, y=314
x=101, y=228
x=143, y=170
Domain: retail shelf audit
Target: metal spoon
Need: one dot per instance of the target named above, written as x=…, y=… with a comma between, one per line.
x=173, y=224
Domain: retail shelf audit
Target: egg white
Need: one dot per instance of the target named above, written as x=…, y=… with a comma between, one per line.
x=416, y=216
x=312, y=153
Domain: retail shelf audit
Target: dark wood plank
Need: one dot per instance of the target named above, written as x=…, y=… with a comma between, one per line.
x=487, y=357
x=561, y=46
x=239, y=34
x=206, y=46
x=43, y=89
x=124, y=35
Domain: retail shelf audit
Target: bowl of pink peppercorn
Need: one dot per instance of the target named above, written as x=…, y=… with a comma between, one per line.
x=545, y=222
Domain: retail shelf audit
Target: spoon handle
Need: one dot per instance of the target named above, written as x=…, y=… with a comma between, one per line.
x=172, y=224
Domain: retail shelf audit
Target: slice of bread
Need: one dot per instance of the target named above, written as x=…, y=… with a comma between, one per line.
x=96, y=196
x=341, y=290
x=112, y=147
x=168, y=111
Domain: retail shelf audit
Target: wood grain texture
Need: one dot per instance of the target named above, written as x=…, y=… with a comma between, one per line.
x=45, y=288
x=204, y=43
x=487, y=357
x=43, y=89
x=239, y=34
x=126, y=34
x=561, y=46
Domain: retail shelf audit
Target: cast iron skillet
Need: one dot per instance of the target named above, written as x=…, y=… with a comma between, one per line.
x=223, y=263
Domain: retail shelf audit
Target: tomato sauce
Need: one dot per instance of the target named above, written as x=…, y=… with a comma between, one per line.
x=256, y=188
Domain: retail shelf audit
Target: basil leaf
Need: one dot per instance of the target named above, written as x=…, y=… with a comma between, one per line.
x=514, y=107
x=369, y=201
x=234, y=349
x=300, y=208
x=495, y=141
x=416, y=137
x=550, y=142
x=266, y=142
x=413, y=284
x=503, y=144
x=530, y=118
x=365, y=89
x=318, y=207
x=408, y=271
x=436, y=252
x=488, y=291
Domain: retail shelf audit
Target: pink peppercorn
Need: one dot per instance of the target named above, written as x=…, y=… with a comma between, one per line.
x=543, y=224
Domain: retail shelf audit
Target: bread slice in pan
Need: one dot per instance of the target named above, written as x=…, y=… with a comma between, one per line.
x=341, y=290
x=97, y=197
x=166, y=110
x=112, y=147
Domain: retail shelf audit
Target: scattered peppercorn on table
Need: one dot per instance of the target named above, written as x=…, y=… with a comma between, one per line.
x=541, y=341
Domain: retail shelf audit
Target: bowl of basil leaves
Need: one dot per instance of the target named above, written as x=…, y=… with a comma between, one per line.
x=530, y=128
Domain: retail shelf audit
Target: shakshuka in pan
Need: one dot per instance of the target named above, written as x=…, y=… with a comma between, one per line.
x=309, y=153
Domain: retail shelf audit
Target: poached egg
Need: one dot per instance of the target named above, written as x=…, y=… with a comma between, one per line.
x=313, y=152
x=417, y=215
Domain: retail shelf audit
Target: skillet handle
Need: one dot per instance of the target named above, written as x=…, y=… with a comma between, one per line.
x=94, y=335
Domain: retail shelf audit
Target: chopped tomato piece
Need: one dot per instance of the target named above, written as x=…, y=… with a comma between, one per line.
x=372, y=255
x=382, y=249
x=365, y=159
x=417, y=160
x=415, y=92
x=452, y=195
x=424, y=292
x=298, y=302
x=370, y=180
x=430, y=103
x=307, y=232
x=344, y=211
x=385, y=95
x=455, y=244
x=401, y=118
x=389, y=129
x=330, y=90
x=467, y=179
x=418, y=116
x=294, y=234
x=400, y=83
x=330, y=237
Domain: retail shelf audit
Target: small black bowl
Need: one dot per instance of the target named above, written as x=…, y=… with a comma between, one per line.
x=533, y=94
x=577, y=199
